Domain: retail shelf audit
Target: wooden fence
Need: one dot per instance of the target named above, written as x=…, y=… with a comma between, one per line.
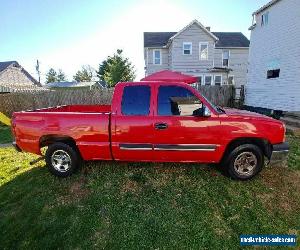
x=21, y=88
x=219, y=95
x=11, y=102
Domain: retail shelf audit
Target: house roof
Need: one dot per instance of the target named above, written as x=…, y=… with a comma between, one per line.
x=231, y=39
x=265, y=6
x=5, y=65
x=226, y=39
x=157, y=39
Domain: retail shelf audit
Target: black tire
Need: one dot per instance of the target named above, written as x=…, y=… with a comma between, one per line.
x=244, y=162
x=62, y=160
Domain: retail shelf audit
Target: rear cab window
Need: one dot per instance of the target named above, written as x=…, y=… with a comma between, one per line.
x=136, y=100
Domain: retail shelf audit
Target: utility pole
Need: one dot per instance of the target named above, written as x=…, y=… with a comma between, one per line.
x=37, y=68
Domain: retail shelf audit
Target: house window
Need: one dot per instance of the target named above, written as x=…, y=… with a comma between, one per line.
x=230, y=80
x=218, y=80
x=225, y=58
x=156, y=56
x=207, y=80
x=265, y=19
x=187, y=48
x=274, y=73
x=203, y=51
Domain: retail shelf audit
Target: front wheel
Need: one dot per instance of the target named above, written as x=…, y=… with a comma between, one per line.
x=61, y=159
x=244, y=162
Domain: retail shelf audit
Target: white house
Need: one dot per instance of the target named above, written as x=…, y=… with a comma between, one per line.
x=274, y=64
x=216, y=58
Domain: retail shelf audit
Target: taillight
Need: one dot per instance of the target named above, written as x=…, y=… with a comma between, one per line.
x=284, y=132
x=13, y=119
x=13, y=125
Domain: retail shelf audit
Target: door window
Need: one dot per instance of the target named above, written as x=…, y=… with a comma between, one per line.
x=136, y=100
x=174, y=100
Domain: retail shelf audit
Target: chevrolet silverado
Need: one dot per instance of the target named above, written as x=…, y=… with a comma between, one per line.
x=154, y=122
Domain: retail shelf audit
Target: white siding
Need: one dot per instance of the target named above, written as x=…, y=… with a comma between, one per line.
x=150, y=67
x=191, y=63
x=276, y=44
x=238, y=62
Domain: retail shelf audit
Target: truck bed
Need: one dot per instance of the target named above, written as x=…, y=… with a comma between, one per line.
x=85, y=125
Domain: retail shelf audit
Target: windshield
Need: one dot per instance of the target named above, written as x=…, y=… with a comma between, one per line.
x=216, y=108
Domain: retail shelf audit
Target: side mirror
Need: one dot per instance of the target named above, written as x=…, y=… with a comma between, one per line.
x=202, y=112
x=206, y=112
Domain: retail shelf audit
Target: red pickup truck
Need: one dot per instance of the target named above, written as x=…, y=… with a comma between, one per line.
x=155, y=122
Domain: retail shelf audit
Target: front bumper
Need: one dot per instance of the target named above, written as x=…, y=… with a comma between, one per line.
x=16, y=147
x=279, y=153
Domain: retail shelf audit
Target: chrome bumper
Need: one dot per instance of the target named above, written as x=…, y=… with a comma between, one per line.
x=280, y=152
x=16, y=147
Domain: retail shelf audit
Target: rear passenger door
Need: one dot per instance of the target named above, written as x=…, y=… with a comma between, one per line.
x=132, y=125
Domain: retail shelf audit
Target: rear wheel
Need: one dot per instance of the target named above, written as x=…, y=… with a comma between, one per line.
x=244, y=162
x=62, y=160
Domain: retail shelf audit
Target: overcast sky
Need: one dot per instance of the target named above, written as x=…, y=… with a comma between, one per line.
x=69, y=33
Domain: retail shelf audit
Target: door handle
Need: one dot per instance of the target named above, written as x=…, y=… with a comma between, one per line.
x=161, y=126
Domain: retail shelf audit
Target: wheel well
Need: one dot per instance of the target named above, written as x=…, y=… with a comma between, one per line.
x=263, y=144
x=47, y=140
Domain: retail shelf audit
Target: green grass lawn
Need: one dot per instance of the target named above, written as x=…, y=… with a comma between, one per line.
x=133, y=205
x=5, y=134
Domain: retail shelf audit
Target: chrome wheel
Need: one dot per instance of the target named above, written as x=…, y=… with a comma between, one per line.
x=245, y=163
x=61, y=160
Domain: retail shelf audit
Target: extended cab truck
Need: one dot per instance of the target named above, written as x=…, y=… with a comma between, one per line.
x=151, y=121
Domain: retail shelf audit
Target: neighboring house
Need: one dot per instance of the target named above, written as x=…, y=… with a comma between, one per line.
x=14, y=78
x=274, y=65
x=215, y=57
x=74, y=85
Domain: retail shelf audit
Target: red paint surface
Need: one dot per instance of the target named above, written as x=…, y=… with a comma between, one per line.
x=88, y=126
